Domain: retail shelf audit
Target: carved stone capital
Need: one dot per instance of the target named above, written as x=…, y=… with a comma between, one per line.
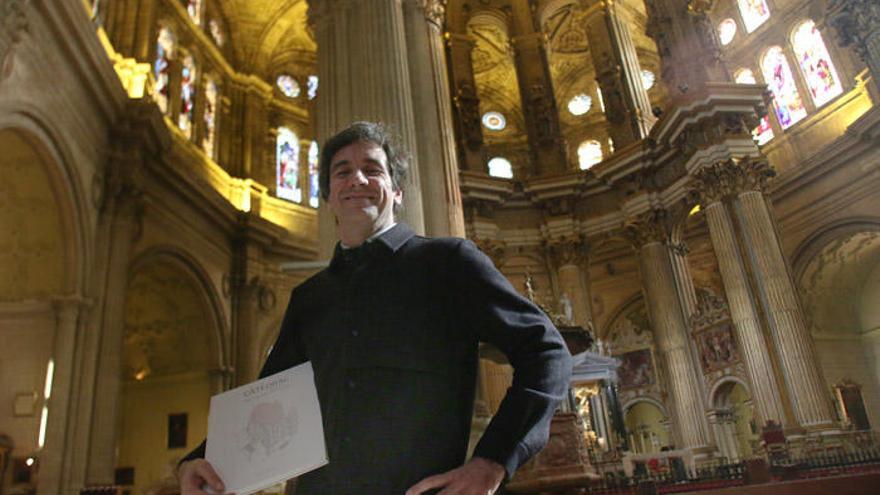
x=731, y=177
x=570, y=250
x=13, y=26
x=492, y=248
x=857, y=23
x=649, y=227
x=435, y=11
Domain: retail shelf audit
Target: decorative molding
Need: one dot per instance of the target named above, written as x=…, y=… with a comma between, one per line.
x=648, y=227
x=728, y=178
x=13, y=26
x=571, y=250
x=856, y=23
x=711, y=309
x=435, y=11
x=492, y=248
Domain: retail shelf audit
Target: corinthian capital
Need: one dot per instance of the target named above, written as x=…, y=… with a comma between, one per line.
x=435, y=11
x=570, y=250
x=648, y=227
x=730, y=177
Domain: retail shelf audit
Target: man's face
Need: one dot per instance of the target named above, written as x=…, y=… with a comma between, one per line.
x=361, y=186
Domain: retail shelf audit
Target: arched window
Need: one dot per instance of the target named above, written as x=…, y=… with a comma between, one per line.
x=288, y=85
x=815, y=63
x=754, y=13
x=648, y=79
x=165, y=44
x=287, y=165
x=216, y=32
x=500, y=167
x=580, y=104
x=589, y=153
x=787, y=101
x=312, y=87
x=763, y=133
x=187, y=95
x=210, y=117
x=194, y=9
x=314, y=187
x=726, y=31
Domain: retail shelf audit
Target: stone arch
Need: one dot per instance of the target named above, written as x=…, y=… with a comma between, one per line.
x=820, y=238
x=647, y=422
x=624, y=309
x=734, y=418
x=719, y=388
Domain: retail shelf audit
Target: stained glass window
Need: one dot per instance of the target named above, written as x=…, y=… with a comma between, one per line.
x=763, y=133
x=648, y=79
x=787, y=101
x=187, y=95
x=288, y=85
x=580, y=104
x=287, y=165
x=164, y=55
x=726, y=31
x=500, y=167
x=194, y=9
x=754, y=13
x=210, y=117
x=589, y=153
x=216, y=32
x=816, y=65
x=494, y=121
x=314, y=187
x=312, y=87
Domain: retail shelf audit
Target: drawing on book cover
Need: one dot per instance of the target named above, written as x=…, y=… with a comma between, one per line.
x=268, y=429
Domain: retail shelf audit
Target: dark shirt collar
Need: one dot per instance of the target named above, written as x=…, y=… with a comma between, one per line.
x=387, y=242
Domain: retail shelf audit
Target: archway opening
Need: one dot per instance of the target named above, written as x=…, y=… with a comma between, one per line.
x=735, y=428
x=647, y=428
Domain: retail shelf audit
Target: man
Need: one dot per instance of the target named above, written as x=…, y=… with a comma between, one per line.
x=391, y=328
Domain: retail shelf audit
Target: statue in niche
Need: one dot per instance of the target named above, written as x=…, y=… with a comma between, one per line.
x=566, y=309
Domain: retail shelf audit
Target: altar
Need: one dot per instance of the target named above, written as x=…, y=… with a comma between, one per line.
x=678, y=463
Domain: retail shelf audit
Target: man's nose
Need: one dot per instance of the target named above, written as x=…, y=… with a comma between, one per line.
x=358, y=177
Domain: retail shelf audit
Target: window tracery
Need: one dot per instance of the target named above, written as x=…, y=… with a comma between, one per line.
x=165, y=45
x=815, y=63
x=287, y=165
x=787, y=101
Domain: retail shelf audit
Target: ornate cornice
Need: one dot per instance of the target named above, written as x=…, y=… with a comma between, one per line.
x=13, y=25
x=857, y=23
x=731, y=177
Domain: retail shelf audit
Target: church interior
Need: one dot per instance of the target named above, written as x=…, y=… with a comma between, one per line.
x=694, y=185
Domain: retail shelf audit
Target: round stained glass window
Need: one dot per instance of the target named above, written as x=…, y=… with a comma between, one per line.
x=494, y=121
x=726, y=31
x=500, y=167
x=580, y=104
x=288, y=85
x=648, y=79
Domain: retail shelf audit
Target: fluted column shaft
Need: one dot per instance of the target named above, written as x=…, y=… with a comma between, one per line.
x=365, y=75
x=672, y=341
x=618, y=73
x=438, y=163
x=758, y=363
x=806, y=389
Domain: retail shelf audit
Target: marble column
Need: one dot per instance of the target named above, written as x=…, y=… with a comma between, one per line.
x=536, y=92
x=649, y=234
x=857, y=23
x=437, y=160
x=466, y=101
x=689, y=49
x=618, y=73
x=364, y=71
x=58, y=450
x=570, y=257
x=712, y=183
x=807, y=391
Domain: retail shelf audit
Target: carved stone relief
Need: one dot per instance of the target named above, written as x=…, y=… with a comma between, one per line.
x=731, y=177
x=13, y=26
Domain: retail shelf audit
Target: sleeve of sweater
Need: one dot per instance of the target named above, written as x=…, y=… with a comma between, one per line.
x=497, y=314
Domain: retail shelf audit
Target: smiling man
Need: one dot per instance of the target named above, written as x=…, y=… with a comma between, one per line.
x=392, y=329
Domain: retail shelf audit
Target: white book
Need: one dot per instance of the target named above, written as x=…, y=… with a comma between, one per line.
x=267, y=431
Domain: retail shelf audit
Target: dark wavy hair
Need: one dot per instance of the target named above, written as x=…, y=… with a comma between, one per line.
x=364, y=132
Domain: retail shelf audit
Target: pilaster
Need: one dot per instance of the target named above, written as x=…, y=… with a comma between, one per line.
x=466, y=101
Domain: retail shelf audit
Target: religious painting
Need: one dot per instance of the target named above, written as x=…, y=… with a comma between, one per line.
x=287, y=166
x=815, y=63
x=636, y=369
x=717, y=348
x=786, y=99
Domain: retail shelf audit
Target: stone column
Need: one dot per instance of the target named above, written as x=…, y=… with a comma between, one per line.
x=536, y=92
x=365, y=75
x=857, y=23
x=570, y=257
x=438, y=164
x=467, y=104
x=689, y=50
x=649, y=234
x=806, y=388
x=58, y=452
x=618, y=73
x=250, y=297
x=714, y=184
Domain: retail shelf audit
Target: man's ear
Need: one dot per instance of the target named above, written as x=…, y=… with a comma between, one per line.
x=398, y=197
